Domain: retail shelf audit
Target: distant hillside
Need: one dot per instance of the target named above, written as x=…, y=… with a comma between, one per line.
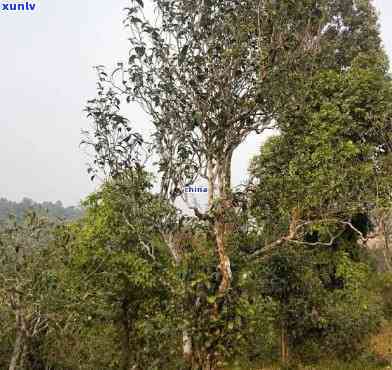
x=55, y=210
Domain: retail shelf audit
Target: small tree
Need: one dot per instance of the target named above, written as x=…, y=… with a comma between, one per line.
x=122, y=273
x=26, y=282
x=333, y=157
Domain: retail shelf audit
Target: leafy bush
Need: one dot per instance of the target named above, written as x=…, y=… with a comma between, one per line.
x=324, y=302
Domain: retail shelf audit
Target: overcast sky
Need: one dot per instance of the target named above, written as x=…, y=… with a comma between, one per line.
x=46, y=76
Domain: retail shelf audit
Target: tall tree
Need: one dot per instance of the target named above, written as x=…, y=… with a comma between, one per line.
x=209, y=73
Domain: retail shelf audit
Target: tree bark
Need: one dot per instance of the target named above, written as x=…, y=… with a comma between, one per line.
x=224, y=261
x=284, y=346
x=224, y=184
x=24, y=356
x=17, y=352
x=211, y=182
x=17, y=359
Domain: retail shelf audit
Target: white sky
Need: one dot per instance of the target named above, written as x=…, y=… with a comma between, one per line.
x=46, y=76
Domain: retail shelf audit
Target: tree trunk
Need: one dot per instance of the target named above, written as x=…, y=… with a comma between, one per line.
x=220, y=227
x=386, y=249
x=187, y=348
x=25, y=353
x=224, y=261
x=284, y=345
x=203, y=361
x=211, y=182
x=17, y=359
x=207, y=365
x=17, y=352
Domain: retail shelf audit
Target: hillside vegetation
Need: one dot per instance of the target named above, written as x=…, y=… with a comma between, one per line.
x=291, y=269
x=54, y=210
